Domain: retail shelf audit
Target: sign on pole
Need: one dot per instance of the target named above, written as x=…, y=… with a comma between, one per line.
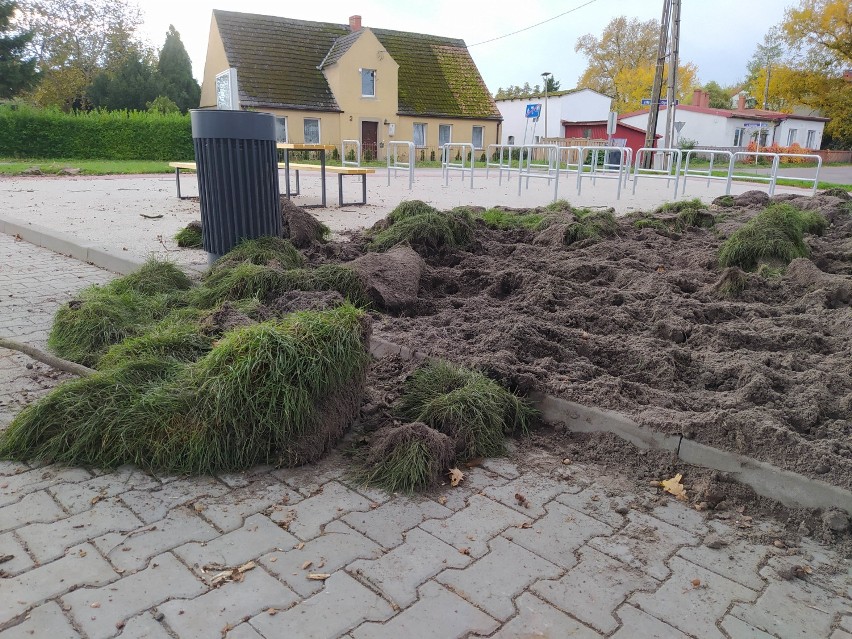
x=758, y=125
x=533, y=111
x=611, y=122
x=663, y=102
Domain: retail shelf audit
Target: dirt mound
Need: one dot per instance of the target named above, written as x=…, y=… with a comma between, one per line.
x=391, y=279
x=299, y=226
x=751, y=198
x=225, y=318
x=293, y=301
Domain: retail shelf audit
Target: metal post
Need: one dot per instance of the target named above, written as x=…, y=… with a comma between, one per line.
x=654, y=112
x=671, y=94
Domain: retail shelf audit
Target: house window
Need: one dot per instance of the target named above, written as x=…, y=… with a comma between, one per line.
x=368, y=83
x=511, y=139
x=445, y=134
x=280, y=129
x=478, y=134
x=791, y=136
x=738, y=136
x=811, y=143
x=312, y=131
x=587, y=133
x=227, y=98
x=419, y=134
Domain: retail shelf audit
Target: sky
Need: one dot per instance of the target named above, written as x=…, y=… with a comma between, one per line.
x=717, y=35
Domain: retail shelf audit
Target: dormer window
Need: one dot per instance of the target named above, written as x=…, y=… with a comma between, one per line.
x=368, y=83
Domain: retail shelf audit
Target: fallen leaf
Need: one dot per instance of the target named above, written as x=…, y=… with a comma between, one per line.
x=272, y=612
x=321, y=563
x=198, y=507
x=273, y=559
x=464, y=551
x=307, y=564
x=300, y=545
x=522, y=501
x=456, y=477
x=318, y=576
x=442, y=500
x=526, y=524
x=247, y=566
x=674, y=487
x=94, y=500
x=696, y=583
x=95, y=604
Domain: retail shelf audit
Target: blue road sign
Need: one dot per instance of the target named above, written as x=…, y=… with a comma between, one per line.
x=533, y=110
x=759, y=125
x=663, y=102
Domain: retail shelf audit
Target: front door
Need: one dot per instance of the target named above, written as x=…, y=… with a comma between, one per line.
x=369, y=140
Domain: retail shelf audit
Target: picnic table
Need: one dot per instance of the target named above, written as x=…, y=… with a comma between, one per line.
x=322, y=148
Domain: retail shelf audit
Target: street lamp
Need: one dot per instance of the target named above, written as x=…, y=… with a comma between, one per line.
x=545, y=76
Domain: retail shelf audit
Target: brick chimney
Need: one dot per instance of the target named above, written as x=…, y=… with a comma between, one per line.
x=741, y=102
x=705, y=102
x=697, y=97
x=354, y=23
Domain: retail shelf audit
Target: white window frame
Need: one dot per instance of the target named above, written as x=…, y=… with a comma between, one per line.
x=739, y=134
x=792, y=134
x=368, y=95
x=811, y=139
x=414, y=135
x=481, y=144
x=319, y=130
x=511, y=140
x=449, y=128
x=226, y=82
x=281, y=122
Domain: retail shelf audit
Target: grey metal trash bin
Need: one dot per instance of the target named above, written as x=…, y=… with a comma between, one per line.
x=237, y=167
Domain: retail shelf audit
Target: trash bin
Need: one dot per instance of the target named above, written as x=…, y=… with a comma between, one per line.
x=237, y=168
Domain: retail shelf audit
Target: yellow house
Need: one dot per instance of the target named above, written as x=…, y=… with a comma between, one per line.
x=330, y=82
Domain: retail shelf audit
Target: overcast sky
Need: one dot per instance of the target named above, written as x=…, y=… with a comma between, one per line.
x=717, y=35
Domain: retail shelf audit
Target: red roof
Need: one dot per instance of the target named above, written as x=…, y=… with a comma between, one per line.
x=745, y=114
x=603, y=123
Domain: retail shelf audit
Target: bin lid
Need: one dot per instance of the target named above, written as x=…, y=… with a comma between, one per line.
x=238, y=125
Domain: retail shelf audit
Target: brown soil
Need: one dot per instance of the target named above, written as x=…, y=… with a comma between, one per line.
x=635, y=323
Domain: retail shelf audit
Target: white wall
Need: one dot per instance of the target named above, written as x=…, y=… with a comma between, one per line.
x=579, y=106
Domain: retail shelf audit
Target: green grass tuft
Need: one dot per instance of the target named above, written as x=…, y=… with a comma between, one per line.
x=409, y=208
x=732, y=282
x=774, y=236
x=694, y=217
x=506, y=220
x=473, y=410
x=263, y=251
x=726, y=201
x=590, y=225
x=558, y=206
x=189, y=236
x=427, y=232
x=153, y=277
x=680, y=205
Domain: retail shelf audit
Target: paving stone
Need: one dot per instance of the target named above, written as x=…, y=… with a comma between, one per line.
x=594, y=588
x=502, y=466
x=538, y=620
x=245, y=631
x=558, y=534
x=16, y=486
x=35, y=508
x=144, y=626
x=45, y=621
x=338, y=546
x=491, y=583
x=8, y=468
x=133, y=550
x=76, y=498
x=537, y=489
x=681, y=515
x=640, y=625
x=351, y=603
x=828, y=573
x=437, y=613
x=840, y=634
x=20, y=560
x=739, y=629
x=81, y=566
x=645, y=543
x=791, y=608
x=259, y=535
x=308, y=479
x=309, y=516
x=398, y=573
x=228, y=511
x=243, y=478
x=473, y=526
x=387, y=523
x=163, y=579
x=209, y=614
x=596, y=503
x=846, y=622
x=690, y=609
x=153, y=505
x=47, y=541
x=739, y=561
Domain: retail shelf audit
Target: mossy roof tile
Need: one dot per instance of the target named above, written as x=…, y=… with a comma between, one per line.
x=277, y=62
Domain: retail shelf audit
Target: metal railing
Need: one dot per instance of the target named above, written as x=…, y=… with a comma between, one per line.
x=671, y=161
x=607, y=170
x=465, y=151
x=395, y=164
x=504, y=154
x=528, y=168
x=687, y=172
x=773, y=176
x=357, y=150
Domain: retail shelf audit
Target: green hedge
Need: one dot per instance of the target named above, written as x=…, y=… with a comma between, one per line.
x=103, y=135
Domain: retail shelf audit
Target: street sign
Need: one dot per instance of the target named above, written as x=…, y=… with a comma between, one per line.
x=611, y=122
x=533, y=111
x=663, y=102
x=759, y=125
x=679, y=126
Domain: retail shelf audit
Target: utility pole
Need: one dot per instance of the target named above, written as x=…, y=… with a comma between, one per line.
x=766, y=86
x=546, y=77
x=654, y=112
x=671, y=95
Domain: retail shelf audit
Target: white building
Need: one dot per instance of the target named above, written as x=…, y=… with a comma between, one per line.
x=574, y=105
x=727, y=128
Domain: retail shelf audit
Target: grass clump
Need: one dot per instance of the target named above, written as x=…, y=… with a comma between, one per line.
x=427, y=232
x=505, y=220
x=153, y=277
x=650, y=223
x=267, y=250
x=732, y=282
x=775, y=236
x=409, y=208
x=558, y=206
x=590, y=225
x=406, y=458
x=476, y=412
x=189, y=236
x=694, y=217
x=725, y=201
x=681, y=205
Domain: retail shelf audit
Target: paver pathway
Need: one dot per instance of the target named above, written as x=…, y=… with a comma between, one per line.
x=131, y=554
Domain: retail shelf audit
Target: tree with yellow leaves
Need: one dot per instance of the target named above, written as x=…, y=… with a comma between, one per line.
x=636, y=84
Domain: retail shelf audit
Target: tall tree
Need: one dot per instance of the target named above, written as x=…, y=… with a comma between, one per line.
x=637, y=83
x=175, y=70
x=17, y=72
x=720, y=98
x=131, y=85
x=825, y=24
x=551, y=84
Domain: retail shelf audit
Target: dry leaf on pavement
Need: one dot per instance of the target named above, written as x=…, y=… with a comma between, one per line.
x=319, y=576
x=456, y=476
x=674, y=487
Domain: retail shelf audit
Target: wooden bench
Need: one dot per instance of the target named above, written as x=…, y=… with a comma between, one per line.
x=340, y=171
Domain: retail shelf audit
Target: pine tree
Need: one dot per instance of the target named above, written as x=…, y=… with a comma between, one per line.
x=175, y=71
x=16, y=73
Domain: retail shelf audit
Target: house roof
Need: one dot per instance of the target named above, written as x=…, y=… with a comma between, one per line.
x=745, y=114
x=603, y=123
x=553, y=94
x=279, y=63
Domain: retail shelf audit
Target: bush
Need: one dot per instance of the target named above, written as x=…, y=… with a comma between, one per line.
x=26, y=132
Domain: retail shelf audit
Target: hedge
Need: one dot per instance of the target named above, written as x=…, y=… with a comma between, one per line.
x=27, y=132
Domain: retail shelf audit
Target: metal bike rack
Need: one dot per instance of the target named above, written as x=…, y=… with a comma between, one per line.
x=773, y=176
x=504, y=160
x=448, y=165
x=709, y=172
x=529, y=169
x=395, y=164
x=357, y=145
x=609, y=171
x=669, y=155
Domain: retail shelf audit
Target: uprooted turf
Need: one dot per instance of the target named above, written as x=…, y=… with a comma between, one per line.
x=427, y=231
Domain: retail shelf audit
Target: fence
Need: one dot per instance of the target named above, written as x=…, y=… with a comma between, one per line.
x=834, y=156
x=457, y=156
x=773, y=176
x=350, y=153
x=662, y=161
x=401, y=157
